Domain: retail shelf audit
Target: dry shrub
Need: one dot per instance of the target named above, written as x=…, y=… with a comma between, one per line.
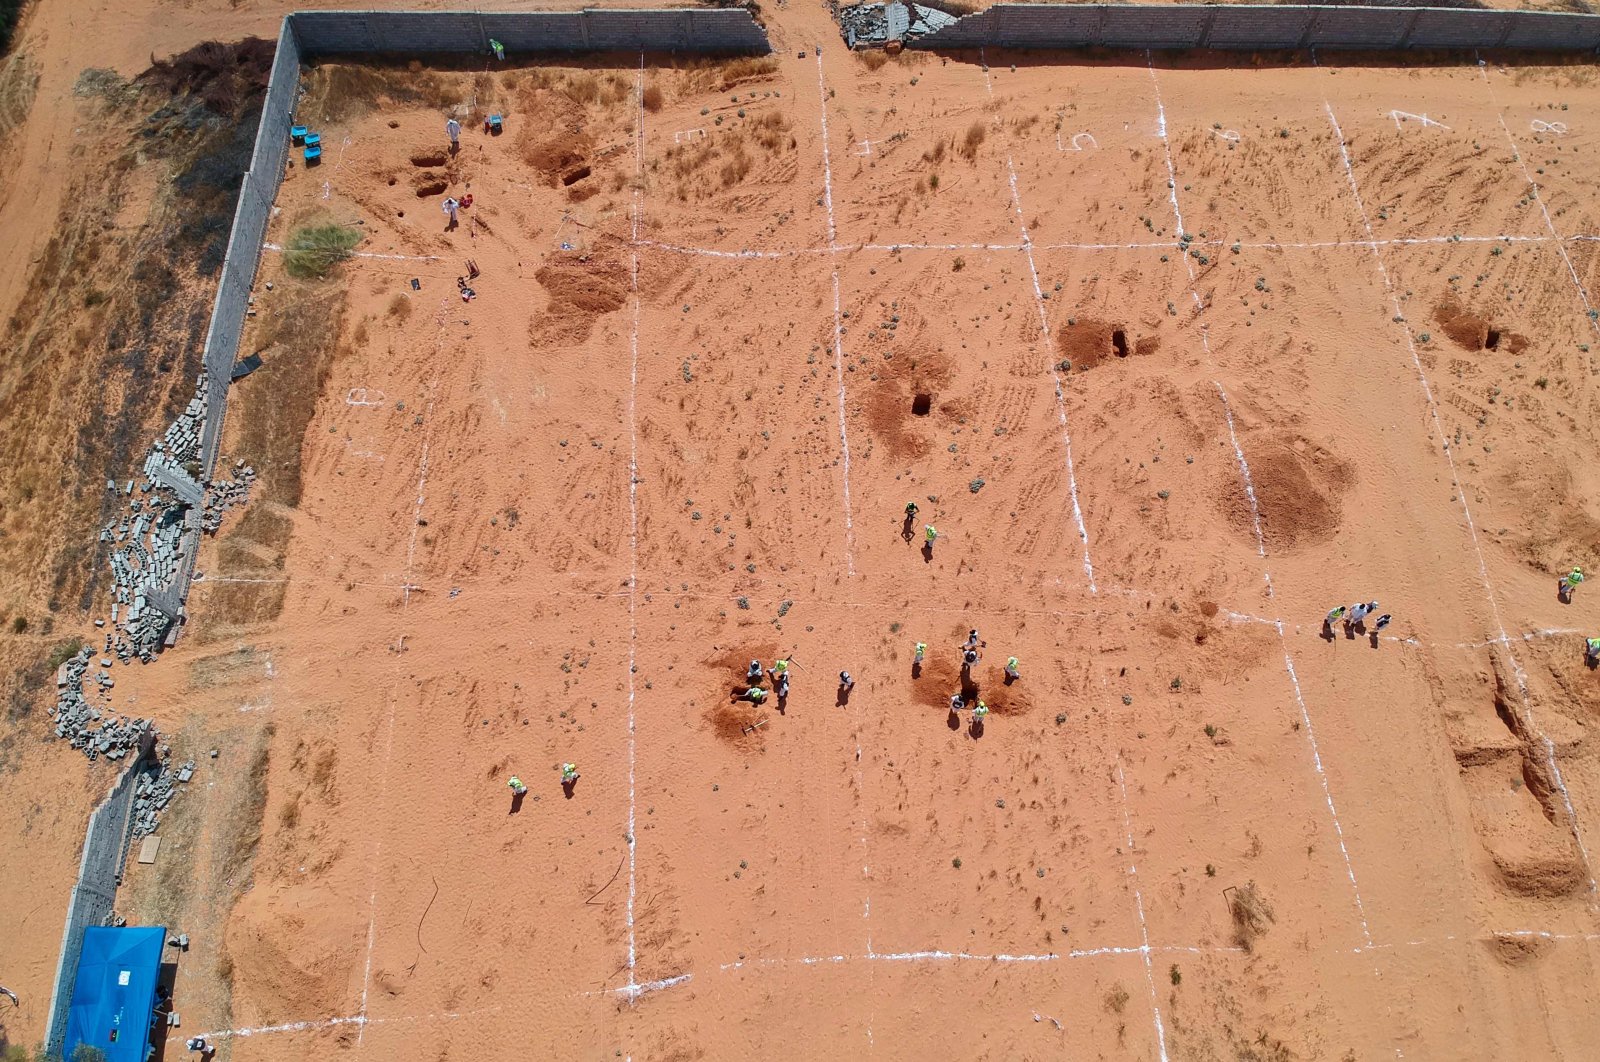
x=935, y=154
x=873, y=60
x=735, y=71
x=973, y=140
x=736, y=168
x=652, y=98
x=1116, y=998
x=221, y=75
x=336, y=91
x=399, y=308
x=1252, y=915
x=735, y=154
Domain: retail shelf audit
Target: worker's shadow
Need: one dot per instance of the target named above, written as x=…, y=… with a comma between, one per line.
x=1563, y=595
x=1372, y=639
x=954, y=722
x=906, y=529
x=927, y=553
x=1591, y=662
x=975, y=728
x=843, y=699
x=916, y=669
x=568, y=788
x=516, y=801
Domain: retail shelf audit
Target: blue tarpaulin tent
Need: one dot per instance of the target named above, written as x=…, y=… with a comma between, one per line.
x=114, y=993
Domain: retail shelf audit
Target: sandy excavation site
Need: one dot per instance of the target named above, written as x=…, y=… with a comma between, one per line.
x=1175, y=356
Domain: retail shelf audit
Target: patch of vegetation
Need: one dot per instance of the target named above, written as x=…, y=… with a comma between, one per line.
x=314, y=250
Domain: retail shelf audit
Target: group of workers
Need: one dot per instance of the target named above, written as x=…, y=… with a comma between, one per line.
x=1355, y=617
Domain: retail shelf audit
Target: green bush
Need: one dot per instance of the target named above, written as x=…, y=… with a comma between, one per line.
x=314, y=250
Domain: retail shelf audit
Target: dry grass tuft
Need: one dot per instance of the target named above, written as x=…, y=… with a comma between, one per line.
x=1252, y=915
x=873, y=60
x=652, y=98
x=976, y=132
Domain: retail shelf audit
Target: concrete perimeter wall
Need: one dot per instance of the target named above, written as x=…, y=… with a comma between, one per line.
x=1261, y=27
x=104, y=849
x=703, y=30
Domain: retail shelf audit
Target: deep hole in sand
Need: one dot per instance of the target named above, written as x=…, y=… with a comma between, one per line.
x=922, y=405
x=1119, y=343
x=1492, y=340
x=431, y=188
x=575, y=176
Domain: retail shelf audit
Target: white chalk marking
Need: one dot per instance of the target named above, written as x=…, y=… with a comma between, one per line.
x=1164, y=246
x=1421, y=119
x=687, y=134
x=838, y=330
x=372, y=897
x=1144, y=928
x=1049, y=344
x=866, y=148
x=633, y=527
x=1540, y=126
x=1230, y=135
x=1528, y=722
x=1074, y=144
x=362, y=396
x=1538, y=197
x=1255, y=510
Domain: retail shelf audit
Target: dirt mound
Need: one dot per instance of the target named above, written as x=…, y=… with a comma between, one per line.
x=301, y=967
x=911, y=391
x=1469, y=331
x=579, y=289
x=1085, y=344
x=941, y=676
x=1543, y=877
x=1517, y=950
x=731, y=719
x=1298, y=486
x=558, y=145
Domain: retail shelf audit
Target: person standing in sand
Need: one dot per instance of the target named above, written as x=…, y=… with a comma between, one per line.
x=1569, y=583
x=450, y=206
x=517, y=788
x=1591, y=651
x=1334, y=616
x=452, y=129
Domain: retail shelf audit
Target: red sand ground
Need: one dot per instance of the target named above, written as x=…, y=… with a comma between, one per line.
x=554, y=523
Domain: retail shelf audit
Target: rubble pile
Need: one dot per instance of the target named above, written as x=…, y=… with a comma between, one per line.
x=96, y=732
x=153, y=544
x=225, y=494
x=154, y=791
x=867, y=25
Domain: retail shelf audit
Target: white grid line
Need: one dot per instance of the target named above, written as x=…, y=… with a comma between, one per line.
x=405, y=601
x=838, y=329
x=1136, y=245
x=1144, y=928
x=844, y=446
x=633, y=990
x=1527, y=720
x=1538, y=197
x=932, y=956
x=1049, y=340
x=1255, y=511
